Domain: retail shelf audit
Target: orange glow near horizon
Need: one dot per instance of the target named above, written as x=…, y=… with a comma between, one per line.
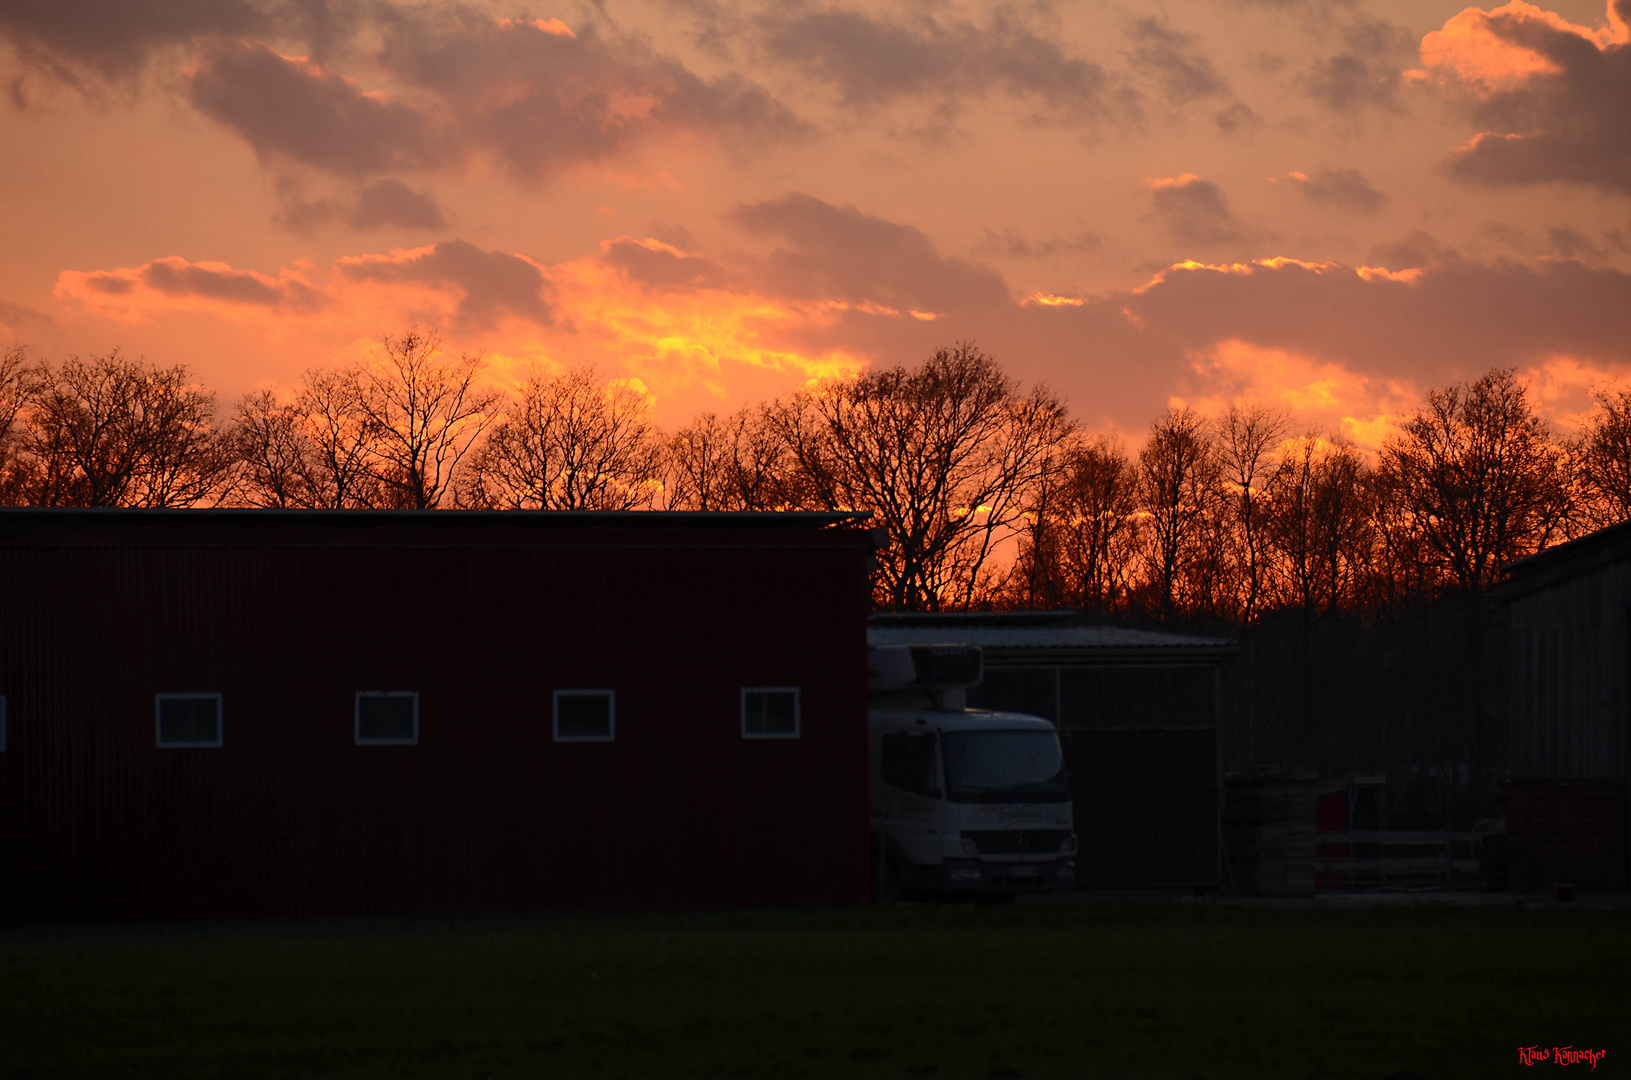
x=670, y=341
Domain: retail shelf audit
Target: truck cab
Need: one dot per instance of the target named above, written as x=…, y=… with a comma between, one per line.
x=964, y=801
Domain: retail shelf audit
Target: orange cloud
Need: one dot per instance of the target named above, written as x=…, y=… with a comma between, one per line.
x=1163, y=183
x=1382, y=273
x=1317, y=392
x=1273, y=263
x=550, y=26
x=1481, y=48
x=1561, y=387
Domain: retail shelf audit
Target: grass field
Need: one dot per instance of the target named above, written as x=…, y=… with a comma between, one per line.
x=943, y=992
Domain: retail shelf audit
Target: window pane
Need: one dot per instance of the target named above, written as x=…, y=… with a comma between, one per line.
x=908, y=762
x=387, y=717
x=583, y=716
x=189, y=720
x=770, y=712
x=1005, y=766
x=399, y=710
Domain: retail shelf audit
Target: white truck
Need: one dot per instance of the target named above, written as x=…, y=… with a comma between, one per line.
x=963, y=801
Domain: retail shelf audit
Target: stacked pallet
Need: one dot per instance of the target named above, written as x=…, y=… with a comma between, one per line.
x=1268, y=832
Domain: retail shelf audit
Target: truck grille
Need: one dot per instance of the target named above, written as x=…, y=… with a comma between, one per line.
x=1018, y=841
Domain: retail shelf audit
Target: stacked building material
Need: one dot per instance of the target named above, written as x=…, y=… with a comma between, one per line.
x=1268, y=831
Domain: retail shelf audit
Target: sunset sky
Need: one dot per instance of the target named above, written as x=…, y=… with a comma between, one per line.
x=1327, y=204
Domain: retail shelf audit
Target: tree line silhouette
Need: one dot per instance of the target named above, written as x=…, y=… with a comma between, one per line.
x=1354, y=581
x=991, y=494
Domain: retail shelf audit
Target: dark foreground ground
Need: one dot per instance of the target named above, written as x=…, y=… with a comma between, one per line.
x=1024, y=991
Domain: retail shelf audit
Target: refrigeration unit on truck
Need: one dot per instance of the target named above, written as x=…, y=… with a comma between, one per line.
x=963, y=800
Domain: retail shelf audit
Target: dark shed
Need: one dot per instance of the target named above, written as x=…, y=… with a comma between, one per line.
x=256, y=712
x=1569, y=697
x=1138, y=714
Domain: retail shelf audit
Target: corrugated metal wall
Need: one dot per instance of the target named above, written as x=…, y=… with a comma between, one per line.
x=1569, y=676
x=1141, y=750
x=486, y=812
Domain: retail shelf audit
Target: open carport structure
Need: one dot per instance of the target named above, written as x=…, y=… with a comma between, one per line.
x=1138, y=714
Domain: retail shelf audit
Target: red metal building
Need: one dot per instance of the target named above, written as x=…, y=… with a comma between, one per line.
x=256, y=712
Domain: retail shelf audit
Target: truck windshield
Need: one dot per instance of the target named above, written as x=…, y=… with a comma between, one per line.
x=1004, y=766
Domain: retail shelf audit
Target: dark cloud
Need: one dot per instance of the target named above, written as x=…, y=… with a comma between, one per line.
x=1236, y=118
x=84, y=41
x=1012, y=244
x=14, y=315
x=534, y=95
x=1183, y=72
x=1367, y=73
x=873, y=62
x=1571, y=243
x=1345, y=189
x=113, y=38
x=672, y=234
x=1417, y=249
x=391, y=202
x=837, y=252
x=1118, y=357
x=178, y=277
x=297, y=109
x=109, y=284
x=539, y=97
x=493, y=283
x=380, y=204
x=1196, y=212
x=1573, y=125
x=1510, y=235
x=662, y=268
x=1454, y=319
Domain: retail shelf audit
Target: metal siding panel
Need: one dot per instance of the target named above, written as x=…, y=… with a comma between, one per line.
x=1026, y=690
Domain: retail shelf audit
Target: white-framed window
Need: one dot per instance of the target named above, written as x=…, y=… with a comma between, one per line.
x=187, y=720
x=387, y=718
x=585, y=716
x=770, y=712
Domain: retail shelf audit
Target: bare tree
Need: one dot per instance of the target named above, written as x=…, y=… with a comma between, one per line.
x=19, y=382
x=423, y=413
x=1081, y=544
x=115, y=432
x=946, y=457
x=1316, y=526
x=1246, y=437
x=734, y=463
x=318, y=451
x=275, y=453
x=571, y=442
x=1478, y=477
x=1605, y=459
x=344, y=442
x=1177, y=489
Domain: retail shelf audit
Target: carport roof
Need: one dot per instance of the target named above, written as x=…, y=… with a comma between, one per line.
x=1035, y=637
